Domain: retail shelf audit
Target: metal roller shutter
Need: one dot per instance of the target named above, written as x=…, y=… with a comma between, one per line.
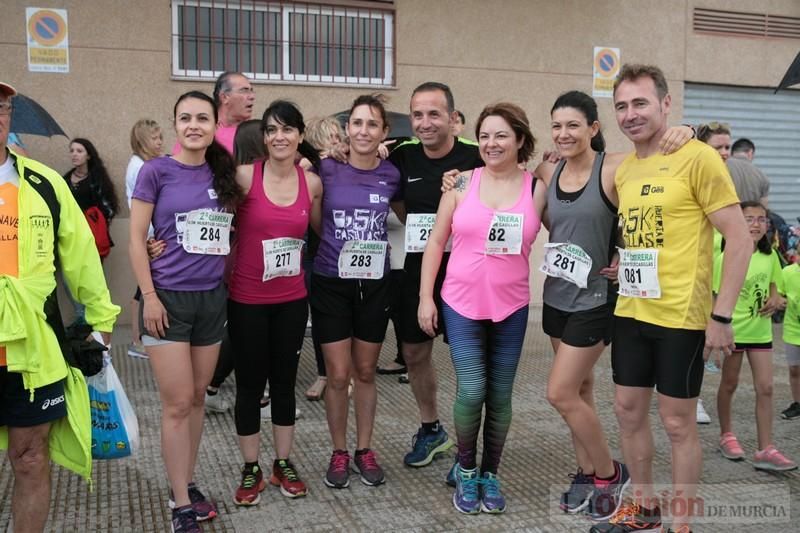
x=771, y=121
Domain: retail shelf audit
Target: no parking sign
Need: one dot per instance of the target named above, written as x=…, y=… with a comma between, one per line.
x=606, y=67
x=48, y=42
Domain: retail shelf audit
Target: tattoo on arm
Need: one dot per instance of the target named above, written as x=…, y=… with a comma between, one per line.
x=461, y=183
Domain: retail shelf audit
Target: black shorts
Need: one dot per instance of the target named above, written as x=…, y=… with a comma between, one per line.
x=753, y=346
x=345, y=308
x=18, y=411
x=644, y=355
x=409, y=299
x=579, y=328
x=196, y=317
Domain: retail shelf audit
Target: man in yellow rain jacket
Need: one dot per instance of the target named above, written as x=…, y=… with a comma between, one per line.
x=44, y=404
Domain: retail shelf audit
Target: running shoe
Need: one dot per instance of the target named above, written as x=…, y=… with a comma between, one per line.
x=184, y=520
x=629, y=518
x=367, y=465
x=249, y=490
x=392, y=368
x=702, y=416
x=492, y=500
x=285, y=476
x=466, y=498
x=215, y=403
x=136, y=349
x=317, y=389
x=771, y=459
x=424, y=447
x=450, y=480
x=204, y=509
x=791, y=412
x=577, y=496
x=607, y=497
x=730, y=448
x=338, y=475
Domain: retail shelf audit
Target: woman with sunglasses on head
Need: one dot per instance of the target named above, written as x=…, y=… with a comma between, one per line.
x=268, y=307
x=718, y=136
x=349, y=286
x=188, y=198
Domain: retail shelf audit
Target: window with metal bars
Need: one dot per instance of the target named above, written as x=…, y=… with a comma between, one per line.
x=348, y=42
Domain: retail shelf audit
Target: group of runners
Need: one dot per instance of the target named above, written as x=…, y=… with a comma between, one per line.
x=639, y=225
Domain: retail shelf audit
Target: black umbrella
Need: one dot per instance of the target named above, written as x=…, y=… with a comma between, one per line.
x=792, y=76
x=30, y=117
x=399, y=123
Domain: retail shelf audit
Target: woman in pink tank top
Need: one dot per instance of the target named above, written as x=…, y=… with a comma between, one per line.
x=268, y=305
x=494, y=215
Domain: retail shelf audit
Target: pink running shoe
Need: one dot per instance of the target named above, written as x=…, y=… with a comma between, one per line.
x=730, y=448
x=771, y=459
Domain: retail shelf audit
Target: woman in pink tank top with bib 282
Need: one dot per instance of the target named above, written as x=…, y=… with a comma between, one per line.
x=493, y=215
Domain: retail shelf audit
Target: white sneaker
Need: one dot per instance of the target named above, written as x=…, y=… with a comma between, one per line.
x=702, y=416
x=266, y=413
x=216, y=403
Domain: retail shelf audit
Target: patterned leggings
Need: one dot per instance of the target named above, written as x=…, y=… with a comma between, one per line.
x=485, y=356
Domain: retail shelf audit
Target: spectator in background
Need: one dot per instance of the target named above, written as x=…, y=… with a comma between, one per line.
x=323, y=134
x=752, y=185
x=234, y=98
x=718, y=136
x=458, y=126
x=744, y=148
x=147, y=142
x=96, y=195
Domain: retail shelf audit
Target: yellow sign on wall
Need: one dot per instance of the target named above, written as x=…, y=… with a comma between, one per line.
x=606, y=67
x=48, y=40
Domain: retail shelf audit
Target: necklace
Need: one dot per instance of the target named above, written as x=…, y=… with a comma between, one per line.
x=75, y=179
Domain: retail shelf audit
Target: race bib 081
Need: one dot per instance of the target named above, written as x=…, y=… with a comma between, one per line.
x=638, y=273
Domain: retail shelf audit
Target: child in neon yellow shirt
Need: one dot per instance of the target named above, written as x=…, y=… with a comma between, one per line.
x=752, y=333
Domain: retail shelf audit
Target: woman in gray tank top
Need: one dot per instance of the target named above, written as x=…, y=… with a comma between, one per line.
x=579, y=295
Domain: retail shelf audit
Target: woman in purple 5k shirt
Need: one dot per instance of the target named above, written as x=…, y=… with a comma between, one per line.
x=349, y=286
x=188, y=198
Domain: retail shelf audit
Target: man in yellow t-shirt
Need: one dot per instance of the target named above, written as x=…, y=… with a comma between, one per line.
x=664, y=326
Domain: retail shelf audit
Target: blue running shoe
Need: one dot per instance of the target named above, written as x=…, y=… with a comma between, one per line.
x=466, y=498
x=451, y=474
x=606, y=500
x=492, y=500
x=424, y=447
x=579, y=494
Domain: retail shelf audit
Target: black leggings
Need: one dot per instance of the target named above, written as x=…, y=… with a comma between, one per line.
x=267, y=339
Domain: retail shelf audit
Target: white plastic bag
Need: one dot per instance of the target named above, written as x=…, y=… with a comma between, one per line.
x=115, y=428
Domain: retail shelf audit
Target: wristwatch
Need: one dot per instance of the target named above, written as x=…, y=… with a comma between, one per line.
x=721, y=319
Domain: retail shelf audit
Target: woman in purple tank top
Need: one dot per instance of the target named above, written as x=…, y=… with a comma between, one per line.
x=349, y=286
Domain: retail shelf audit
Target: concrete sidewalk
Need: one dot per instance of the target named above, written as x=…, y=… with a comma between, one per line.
x=130, y=495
